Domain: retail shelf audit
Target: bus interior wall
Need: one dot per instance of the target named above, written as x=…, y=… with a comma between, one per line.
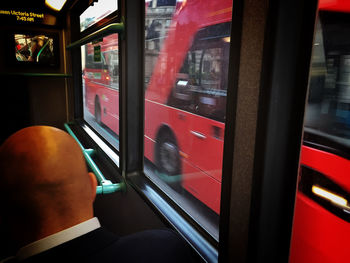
x=28, y=99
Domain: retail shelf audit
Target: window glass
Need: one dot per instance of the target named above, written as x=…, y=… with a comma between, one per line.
x=186, y=72
x=96, y=12
x=100, y=69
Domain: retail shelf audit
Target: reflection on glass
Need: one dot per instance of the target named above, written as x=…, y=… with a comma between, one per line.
x=96, y=12
x=100, y=69
x=186, y=71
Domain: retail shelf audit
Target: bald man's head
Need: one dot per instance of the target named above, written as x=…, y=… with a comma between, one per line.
x=44, y=179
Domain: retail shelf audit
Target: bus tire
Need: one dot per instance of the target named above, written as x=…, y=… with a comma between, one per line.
x=168, y=160
x=97, y=110
x=167, y=154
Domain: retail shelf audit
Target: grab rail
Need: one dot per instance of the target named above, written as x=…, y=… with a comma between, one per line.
x=106, y=186
x=107, y=30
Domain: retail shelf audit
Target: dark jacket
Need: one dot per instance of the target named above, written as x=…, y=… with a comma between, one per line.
x=103, y=246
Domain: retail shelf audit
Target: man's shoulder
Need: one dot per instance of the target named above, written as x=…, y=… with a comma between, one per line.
x=79, y=249
x=100, y=245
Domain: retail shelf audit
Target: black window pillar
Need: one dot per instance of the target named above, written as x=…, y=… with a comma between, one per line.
x=272, y=42
x=284, y=81
x=132, y=87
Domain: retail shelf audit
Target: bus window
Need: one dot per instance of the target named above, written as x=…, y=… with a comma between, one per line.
x=100, y=69
x=322, y=211
x=186, y=72
x=328, y=111
x=200, y=85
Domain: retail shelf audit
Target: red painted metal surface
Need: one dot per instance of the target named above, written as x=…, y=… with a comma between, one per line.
x=319, y=235
x=335, y=5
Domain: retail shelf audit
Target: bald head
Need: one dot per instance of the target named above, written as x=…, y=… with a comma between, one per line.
x=44, y=179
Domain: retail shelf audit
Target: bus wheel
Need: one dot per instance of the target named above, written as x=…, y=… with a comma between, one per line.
x=168, y=157
x=168, y=160
x=97, y=110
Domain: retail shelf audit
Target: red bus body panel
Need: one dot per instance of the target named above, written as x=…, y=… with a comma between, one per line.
x=319, y=235
x=335, y=5
x=107, y=97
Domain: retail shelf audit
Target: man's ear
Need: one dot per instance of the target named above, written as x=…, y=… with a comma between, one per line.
x=93, y=183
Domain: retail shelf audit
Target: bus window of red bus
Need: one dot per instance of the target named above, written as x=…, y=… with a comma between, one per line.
x=186, y=72
x=200, y=85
